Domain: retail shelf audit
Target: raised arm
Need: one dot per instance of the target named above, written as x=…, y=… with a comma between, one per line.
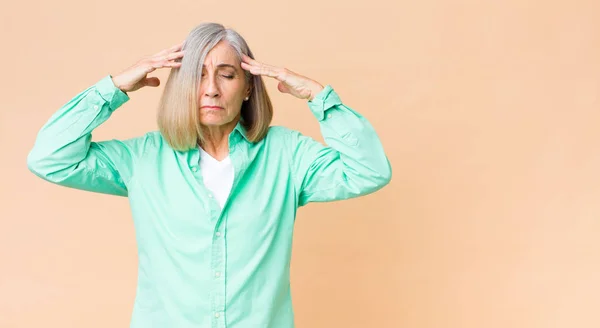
x=64, y=153
x=352, y=163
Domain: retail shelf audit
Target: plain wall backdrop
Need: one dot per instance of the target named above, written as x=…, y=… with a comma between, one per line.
x=488, y=110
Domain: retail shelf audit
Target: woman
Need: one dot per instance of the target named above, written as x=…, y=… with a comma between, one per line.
x=214, y=192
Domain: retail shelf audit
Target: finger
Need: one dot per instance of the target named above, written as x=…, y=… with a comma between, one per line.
x=252, y=69
x=256, y=63
x=249, y=60
x=176, y=47
x=256, y=70
x=269, y=68
x=172, y=64
x=264, y=70
x=269, y=71
x=152, y=82
x=283, y=88
x=246, y=66
x=170, y=56
x=164, y=63
x=174, y=55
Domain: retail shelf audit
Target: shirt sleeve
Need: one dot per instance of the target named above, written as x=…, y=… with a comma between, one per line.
x=64, y=154
x=351, y=164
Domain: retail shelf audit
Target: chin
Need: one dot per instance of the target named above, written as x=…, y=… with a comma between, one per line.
x=213, y=121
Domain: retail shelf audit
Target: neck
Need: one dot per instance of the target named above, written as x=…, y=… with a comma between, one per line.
x=216, y=140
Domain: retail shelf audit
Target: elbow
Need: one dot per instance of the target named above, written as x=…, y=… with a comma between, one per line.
x=50, y=167
x=385, y=175
x=375, y=181
x=378, y=177
x=39, y=165
x=34, y=163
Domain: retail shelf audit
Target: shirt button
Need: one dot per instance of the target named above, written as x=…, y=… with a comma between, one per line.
x=217, y=314
x=218, y=234
x=328, y=115
x=96, y=107
x=217, y=274
x=194, y=168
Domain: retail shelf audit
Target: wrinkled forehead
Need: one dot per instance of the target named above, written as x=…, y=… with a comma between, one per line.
x=222, y=56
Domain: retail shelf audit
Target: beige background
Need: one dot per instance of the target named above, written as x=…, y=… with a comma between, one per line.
x=489, y=111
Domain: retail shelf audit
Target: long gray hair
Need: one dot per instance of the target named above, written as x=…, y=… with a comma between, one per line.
x=178, y=116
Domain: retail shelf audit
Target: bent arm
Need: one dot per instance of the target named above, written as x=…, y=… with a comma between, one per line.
x=64, y=154
x=351, y=164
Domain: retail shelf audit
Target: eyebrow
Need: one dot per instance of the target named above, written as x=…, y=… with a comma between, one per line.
x=221, y=65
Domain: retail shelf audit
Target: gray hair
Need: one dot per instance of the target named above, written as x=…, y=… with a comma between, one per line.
x=178, y=117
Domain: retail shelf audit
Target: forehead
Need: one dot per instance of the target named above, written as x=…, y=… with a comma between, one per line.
x=222, y=53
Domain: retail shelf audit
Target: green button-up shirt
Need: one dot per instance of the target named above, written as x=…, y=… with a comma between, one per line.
x=200, y=265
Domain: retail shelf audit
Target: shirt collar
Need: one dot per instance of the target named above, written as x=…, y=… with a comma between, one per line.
x=241, y=130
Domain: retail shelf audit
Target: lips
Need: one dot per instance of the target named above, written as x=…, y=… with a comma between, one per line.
x=212, y=107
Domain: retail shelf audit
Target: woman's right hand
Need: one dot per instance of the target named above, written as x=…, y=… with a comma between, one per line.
x=134, y=77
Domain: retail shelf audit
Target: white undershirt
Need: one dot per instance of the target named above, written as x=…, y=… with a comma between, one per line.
x=217, y=176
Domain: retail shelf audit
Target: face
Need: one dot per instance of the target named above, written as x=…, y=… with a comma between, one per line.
x=223, y=87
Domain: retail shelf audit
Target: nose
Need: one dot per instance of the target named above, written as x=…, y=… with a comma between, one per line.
x=211, y=89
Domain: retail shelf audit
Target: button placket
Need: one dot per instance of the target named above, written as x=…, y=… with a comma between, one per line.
x=218, y=284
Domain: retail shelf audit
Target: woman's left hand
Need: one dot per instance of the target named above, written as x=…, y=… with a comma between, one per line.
x=289, y=82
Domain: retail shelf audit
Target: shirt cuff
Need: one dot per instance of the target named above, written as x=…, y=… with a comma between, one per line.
x=109, y=92
x=324, y=100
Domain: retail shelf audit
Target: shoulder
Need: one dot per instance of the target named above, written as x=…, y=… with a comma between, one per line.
x=288, y=137
x=292, y=141
x=278, y=131
x=154, y=137
x=137, y=145
x=147, y=139
x=281, y=135
x=282, y=132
